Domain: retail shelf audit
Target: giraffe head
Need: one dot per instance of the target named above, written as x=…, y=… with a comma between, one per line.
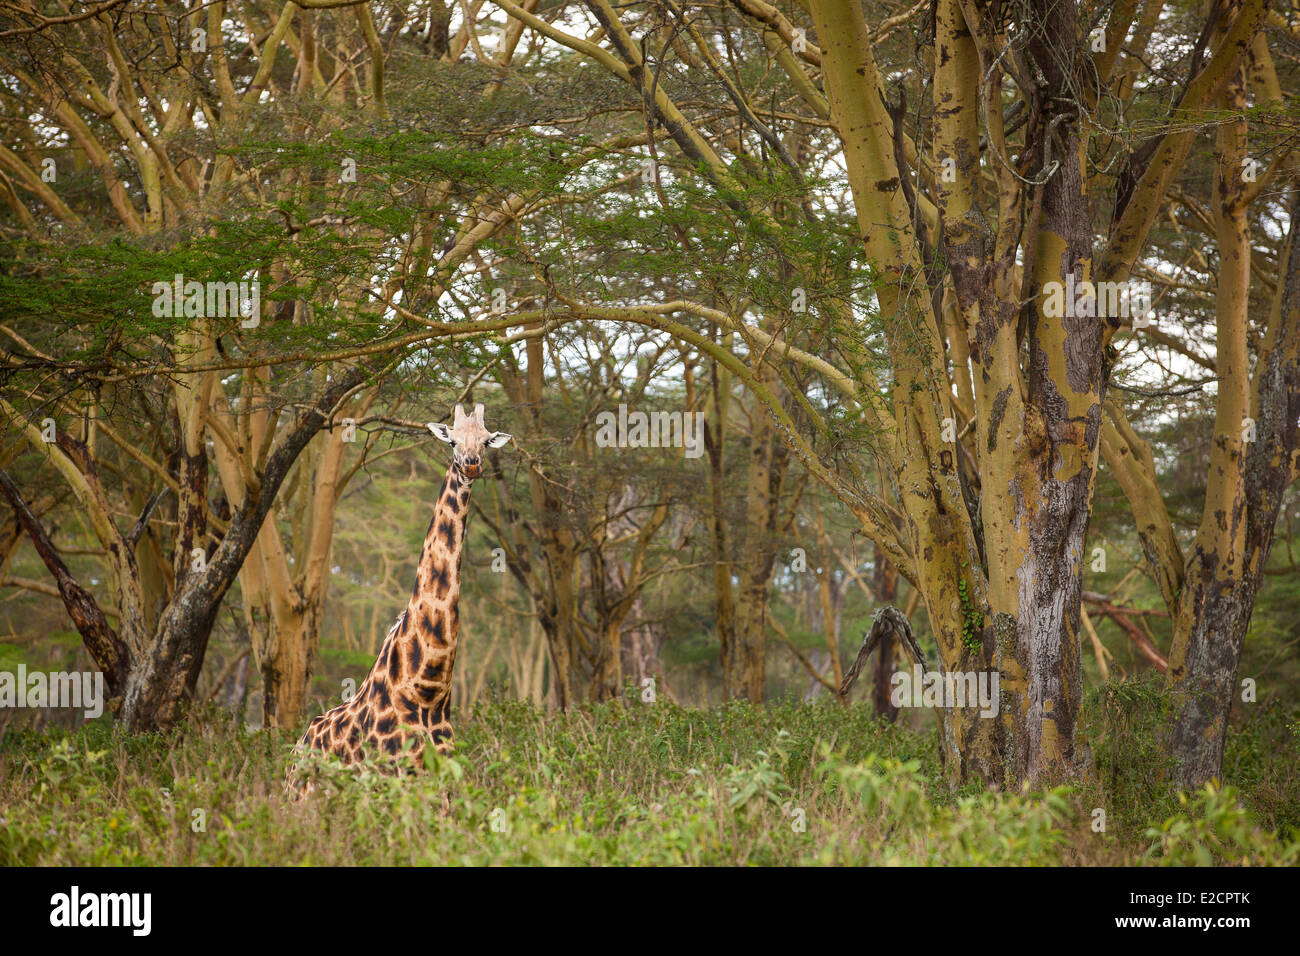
x=468, y=436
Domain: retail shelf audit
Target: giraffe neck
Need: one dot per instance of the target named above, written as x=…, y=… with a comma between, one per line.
x=414, y=667
x=437, y=579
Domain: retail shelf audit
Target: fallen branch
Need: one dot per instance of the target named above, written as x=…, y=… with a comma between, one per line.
x=1121, y=615
x=1092, y=597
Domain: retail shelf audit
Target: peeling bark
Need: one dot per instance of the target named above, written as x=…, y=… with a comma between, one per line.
x=1225, y=569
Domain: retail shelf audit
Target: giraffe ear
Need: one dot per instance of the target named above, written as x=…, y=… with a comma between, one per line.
x=497, y=439
x=440, y=431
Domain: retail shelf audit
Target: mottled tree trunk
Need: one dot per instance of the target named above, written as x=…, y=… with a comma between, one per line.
x=287, y=664
x=1244, y=490
x=1056, y=455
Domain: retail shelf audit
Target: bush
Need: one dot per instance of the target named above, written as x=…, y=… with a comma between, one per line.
x=621, y=784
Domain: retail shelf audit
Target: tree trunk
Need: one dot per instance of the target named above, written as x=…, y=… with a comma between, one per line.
x=724, y=597
x=558, y=607
x=1225, y=569
x=607, y=669
x=640, y=646
x=159, y=687
x=744, y=662
x=885, y=584
x=287, y=663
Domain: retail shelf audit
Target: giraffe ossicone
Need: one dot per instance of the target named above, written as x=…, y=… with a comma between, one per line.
x=404, y=704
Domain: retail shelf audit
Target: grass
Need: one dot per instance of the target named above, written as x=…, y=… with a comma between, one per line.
x=782, y=784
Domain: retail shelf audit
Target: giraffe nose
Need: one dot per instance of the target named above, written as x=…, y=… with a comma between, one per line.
x=472, y=468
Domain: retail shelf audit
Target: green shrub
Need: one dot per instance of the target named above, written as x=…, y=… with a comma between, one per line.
x=631, y=783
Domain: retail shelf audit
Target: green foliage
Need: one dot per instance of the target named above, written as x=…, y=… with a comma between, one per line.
x=1217, y=830
x=1126, y=720
x=759, y=781
x=623, y=784
x=11, y=655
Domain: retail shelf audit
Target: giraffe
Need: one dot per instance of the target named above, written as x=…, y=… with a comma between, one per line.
x=404, y=703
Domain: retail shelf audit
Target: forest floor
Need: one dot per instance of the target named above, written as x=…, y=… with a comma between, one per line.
x=640, y=784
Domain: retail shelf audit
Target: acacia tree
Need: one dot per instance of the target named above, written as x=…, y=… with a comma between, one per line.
x=990, y=405
x=746, y=546
x=864, y=221
x=151, y=670
x=270, y=133
x=1210, y=587
x=131, y=89
x=581, y=525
